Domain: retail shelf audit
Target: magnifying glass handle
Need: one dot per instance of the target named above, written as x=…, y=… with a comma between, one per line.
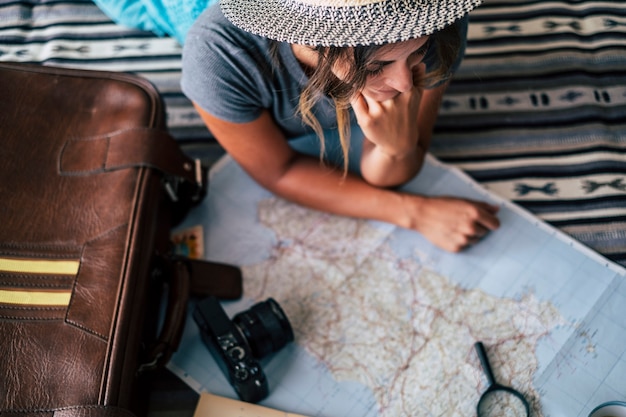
x=482, y=355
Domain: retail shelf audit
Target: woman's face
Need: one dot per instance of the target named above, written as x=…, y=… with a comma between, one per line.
x=393, y=69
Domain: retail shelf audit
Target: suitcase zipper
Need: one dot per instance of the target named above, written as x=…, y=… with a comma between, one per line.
x=37, y=297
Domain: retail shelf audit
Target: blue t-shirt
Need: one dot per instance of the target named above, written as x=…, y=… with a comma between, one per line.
x=230, y=74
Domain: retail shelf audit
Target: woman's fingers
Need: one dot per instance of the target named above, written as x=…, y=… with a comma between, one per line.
x=453, y=224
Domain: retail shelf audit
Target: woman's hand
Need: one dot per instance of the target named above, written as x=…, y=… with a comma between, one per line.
x=397, y=131
x=451, y=223
x=391, y=125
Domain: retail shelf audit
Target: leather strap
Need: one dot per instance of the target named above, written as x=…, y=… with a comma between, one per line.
x=137, y=147
x=213, y=278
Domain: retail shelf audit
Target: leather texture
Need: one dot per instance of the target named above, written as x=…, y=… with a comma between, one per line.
x=86, y=411
x=71, y=191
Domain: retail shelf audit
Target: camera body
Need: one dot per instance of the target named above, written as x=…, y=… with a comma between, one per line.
x=237, y=345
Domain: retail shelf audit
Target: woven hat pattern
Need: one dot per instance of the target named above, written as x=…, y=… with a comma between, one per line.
x=328, y=23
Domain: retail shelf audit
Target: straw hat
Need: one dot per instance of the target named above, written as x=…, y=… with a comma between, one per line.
x=344, y=22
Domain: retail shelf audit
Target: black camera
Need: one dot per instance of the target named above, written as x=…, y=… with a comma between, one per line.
x=237, y=345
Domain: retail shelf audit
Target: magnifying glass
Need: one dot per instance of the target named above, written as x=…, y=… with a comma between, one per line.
x=498, y=400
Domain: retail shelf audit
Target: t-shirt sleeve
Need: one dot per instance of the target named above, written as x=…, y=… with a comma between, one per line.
x=219, y=72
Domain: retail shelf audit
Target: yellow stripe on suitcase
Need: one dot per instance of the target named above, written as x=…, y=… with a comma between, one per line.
x=37, y=298
x=39, y=266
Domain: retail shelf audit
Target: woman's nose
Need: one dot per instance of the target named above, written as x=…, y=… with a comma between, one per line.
x=400, y=77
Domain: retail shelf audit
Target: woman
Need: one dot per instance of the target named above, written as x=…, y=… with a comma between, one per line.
x=261, y=72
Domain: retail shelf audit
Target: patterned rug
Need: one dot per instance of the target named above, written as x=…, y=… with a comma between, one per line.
x=537, y=112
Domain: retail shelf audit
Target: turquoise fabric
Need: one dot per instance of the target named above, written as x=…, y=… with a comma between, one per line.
x=162, y=17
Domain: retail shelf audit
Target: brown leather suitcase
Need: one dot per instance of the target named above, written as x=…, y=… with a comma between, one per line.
x=90, y=184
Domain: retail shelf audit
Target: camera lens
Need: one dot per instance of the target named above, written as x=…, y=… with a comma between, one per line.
x=265, y=327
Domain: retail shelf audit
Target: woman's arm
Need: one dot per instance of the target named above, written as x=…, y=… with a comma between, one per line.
x=263, y=152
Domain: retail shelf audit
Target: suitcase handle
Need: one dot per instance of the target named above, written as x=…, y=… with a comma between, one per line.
x=175, y=313
x=189, y=277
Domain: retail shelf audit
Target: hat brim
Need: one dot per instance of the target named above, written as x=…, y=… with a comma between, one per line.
x=375, y=23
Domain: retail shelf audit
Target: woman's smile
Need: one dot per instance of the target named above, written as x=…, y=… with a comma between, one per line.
x=393, y=69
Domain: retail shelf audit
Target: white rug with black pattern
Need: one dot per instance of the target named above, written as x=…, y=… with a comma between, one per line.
x=537, y=113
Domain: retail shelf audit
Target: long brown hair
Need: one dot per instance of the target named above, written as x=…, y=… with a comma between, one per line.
x=322, y=80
